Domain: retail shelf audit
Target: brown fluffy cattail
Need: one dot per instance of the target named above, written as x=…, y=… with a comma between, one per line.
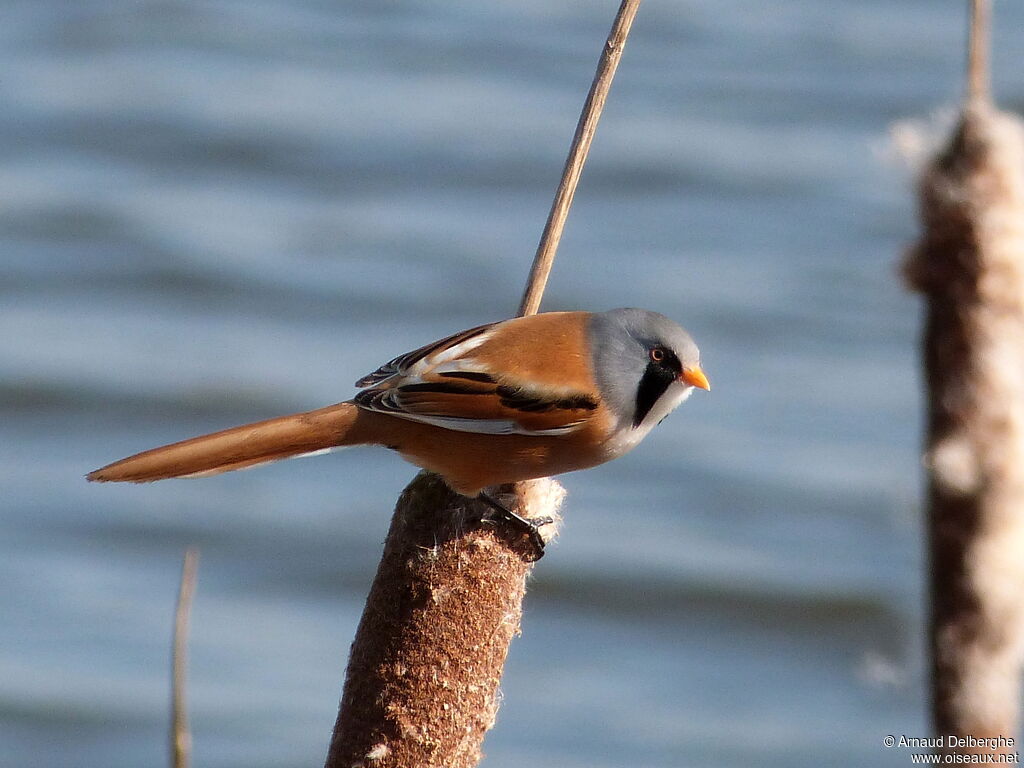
x=423, y=673
x=969, y=265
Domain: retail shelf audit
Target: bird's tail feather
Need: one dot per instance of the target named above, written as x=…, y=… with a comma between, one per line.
x=246, y=446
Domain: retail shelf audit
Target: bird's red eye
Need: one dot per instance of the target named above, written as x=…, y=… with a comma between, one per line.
x=658, y=354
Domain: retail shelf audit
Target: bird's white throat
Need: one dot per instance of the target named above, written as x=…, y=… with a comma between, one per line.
x=627, y=436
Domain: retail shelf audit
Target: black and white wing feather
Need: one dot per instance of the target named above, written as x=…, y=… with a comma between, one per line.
x=446, y=385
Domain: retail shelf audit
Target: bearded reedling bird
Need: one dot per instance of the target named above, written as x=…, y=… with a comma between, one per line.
x=514, y=400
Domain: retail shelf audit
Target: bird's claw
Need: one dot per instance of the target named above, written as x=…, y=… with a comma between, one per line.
x=534, y=524
x=529, y=525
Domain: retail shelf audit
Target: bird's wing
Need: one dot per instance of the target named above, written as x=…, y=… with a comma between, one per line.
x=447, y=350
x=461, y=383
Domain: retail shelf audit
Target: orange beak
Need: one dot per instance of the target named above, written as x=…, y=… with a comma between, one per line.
x=695, y=378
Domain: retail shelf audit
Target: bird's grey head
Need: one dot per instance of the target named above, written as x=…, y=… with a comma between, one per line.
x=644, y=364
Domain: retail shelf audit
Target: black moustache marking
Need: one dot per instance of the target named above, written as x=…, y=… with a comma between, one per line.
x=655, y=381
x=671, y=362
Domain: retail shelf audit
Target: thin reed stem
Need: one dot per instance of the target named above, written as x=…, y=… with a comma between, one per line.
x=578, y=151
x=181, y=737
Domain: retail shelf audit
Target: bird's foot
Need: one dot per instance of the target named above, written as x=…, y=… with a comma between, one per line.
x=529, y=525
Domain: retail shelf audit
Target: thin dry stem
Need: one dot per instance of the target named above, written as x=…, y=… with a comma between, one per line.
x=578, y=151
x=181, y=738
x=978, y=75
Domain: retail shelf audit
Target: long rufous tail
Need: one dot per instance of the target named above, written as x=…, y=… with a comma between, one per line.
x=239, y=447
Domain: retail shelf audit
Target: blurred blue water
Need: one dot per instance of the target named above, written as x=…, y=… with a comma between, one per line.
x=221, y=211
